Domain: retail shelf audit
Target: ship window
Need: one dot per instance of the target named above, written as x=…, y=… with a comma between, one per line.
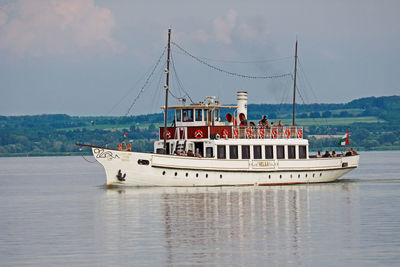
x=160, y=151
x=245, y=152
x=302, y=152
x=257, y=152
x=221, y=152
x=280, y=151
x=291, y=152
x=199, y=114
x=178, y=115
x=233, y=152
x=209, y=152
x=187, y=115
x=269, y=152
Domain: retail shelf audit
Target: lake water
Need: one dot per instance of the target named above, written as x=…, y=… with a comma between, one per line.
x=56, y=211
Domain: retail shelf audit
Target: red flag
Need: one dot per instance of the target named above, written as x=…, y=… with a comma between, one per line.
x=125, y=135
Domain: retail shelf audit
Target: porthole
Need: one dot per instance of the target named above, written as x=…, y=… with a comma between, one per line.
x=176, y=174
x=220, y=176
x=197, y=175
x=320, y=174
x=298, y=176
x=306, y=175
x=187, y=174
x=280, y=176
x=291, y=176
x=163, y=173
x=313, y=175
x=206, y=175
x=143, y=162
x=269, y=176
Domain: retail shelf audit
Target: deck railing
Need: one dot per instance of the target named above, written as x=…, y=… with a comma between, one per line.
x=259, y=132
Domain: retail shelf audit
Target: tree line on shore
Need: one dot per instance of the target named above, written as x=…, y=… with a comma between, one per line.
x=57, y=134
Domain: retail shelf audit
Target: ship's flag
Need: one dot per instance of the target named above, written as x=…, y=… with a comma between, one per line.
x=125, y=135
x=344, y=141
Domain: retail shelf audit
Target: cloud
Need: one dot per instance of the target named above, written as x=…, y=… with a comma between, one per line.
x=230, y=29
x=223, y=27
x=56, y=27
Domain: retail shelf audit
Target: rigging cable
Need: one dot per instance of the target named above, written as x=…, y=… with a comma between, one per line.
x=178, y=80
x=147, y=81
x=229, y=72
x=241, y=62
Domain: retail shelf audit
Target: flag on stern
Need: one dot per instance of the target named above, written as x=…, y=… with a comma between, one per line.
x=125, y=135
x=344, y=141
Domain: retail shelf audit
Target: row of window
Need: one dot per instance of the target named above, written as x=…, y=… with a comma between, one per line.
x=257, y=153
x=190, y=115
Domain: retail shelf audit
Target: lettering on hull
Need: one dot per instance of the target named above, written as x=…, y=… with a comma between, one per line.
x=99, y=153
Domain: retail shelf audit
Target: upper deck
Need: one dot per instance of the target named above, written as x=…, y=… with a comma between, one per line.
x=232, y=132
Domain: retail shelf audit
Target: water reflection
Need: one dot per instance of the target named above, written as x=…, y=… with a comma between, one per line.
x=240, y=226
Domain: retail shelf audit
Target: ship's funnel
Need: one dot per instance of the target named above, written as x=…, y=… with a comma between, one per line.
x=242, y=104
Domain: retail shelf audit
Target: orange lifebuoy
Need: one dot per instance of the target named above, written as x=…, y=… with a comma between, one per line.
x=275, y=133
x=225, y=133
x=198, y=134
x=249, y=133
x=262, y=133
x=300, y=133
x=236, y=133
x=287, y=133
x=168, y=134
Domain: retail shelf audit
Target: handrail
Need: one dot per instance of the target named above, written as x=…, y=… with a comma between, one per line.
x=260, y=132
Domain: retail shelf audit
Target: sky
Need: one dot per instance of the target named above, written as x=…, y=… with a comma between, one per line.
x=96, y=57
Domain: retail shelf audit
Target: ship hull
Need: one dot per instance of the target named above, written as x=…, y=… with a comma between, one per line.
x=147, y=169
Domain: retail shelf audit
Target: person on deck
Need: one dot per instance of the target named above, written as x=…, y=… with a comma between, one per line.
x=327, y=154
x=264, y=120
x=190, y=153
x=319, y=154
x=128, y=147
x=243, y=121
x=353, y=152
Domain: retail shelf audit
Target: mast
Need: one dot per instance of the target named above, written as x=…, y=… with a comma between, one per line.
x=294, y=84
x=166, y=92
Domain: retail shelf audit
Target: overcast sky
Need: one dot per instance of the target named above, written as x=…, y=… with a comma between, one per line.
x=86, y=57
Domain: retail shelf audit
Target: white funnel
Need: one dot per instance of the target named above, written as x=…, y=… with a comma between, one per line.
x=242, y=104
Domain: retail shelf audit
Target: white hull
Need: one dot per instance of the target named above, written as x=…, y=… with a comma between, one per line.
x=166, y=170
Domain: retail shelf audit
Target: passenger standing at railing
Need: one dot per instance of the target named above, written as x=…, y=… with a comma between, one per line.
x=264, y=121
x=243, y=121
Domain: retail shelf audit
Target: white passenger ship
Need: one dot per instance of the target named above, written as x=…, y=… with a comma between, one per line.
x=225, y=153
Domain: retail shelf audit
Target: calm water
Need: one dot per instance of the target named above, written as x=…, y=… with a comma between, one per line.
x=55, y=211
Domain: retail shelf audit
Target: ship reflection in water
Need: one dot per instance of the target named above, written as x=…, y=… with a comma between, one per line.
x=301, y=225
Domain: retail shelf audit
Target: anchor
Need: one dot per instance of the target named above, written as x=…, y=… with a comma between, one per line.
x=120, y=176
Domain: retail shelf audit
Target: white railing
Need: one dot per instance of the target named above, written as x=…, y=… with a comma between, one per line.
x=259, y=132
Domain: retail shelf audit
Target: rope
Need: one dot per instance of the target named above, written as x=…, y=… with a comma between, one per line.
x=229, y=72
x=146, y=82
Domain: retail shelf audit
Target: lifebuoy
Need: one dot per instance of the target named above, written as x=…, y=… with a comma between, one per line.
x=236, y=133
x=300, y=133
x=287, y=133
x=275, y=133
x=225, y=133
x=249, y=133
x=168, y=134
x=198, y=134
x=262, y=133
